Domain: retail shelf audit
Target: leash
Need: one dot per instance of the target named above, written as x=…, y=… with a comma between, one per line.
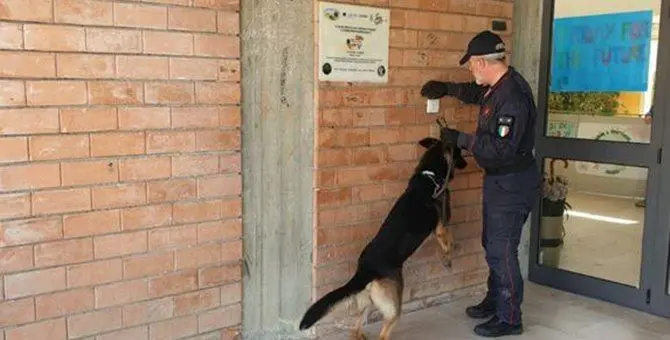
x=442, y=190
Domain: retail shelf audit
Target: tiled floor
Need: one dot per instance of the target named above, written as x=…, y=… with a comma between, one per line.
x=548, y=315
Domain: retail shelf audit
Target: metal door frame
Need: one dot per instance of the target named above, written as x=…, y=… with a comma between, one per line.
x=652, y=296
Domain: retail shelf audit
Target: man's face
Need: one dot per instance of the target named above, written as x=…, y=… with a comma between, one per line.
x=476, y=66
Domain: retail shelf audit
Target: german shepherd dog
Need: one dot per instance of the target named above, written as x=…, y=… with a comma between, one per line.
x=378, y=279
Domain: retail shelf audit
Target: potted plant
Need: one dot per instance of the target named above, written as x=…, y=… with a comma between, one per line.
x=554, y=205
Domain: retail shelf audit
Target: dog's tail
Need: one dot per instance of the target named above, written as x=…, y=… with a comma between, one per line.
x=320, y=308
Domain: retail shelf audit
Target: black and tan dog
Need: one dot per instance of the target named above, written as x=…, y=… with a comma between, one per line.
x=416, y=214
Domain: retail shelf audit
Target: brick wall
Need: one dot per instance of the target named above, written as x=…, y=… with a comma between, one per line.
x=367, y=147
x=119, y=169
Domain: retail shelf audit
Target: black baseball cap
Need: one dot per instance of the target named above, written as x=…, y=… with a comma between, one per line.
x=484, y=43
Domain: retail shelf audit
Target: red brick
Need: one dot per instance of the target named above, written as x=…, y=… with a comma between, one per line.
x=112, y=40
x=231, y=251
x=30, y=231
x=145, y=168
x=28, y=121
x=171, y=141
x=16, y=259
x=213, y=45
x=63, y=252
x=17, y=312
x=230, y=5
x=174, y=329
x=215, y=276
x=231, y=207
x=140, y=118
x=230, y=117
x=120, y=293
x=198, y=256
x=369, y=155
x=325, y=197
x=137, y=333
x=11, y=36
x=89, y=172
x=117, y=144
x=138, y=15
x=13, y=149
x=148, y=265
x=172, y=2
x=193, y=303
x=56, y=93
x=61, y=201
x=14, y=205
x=120, y=244
x=26, y=10
x=231, y=293
x=195, y=165
x=85, y=66
x=88, y=119
x=64, y=303
x=54, y=329
x=54, y=38
x=27, y=64
x=142, y=67
x=115, y=93
x=189, y=212
x=195, y=117
x=94, y=322
x=173, y=237
x=146, y=217
x=191, y=19
x=228, y=23
x=57, y=147
x=171, y=190
x=94, y=273
x=217, y=93
x=35, y=282
x=172, y=43
x=150, y=311
x=195, y=69
x=222, y=185
x=12, y=92
x=83, y=12
x=170, y=93
x=220, y=231
x=220, y=318
x=173, y=283
x=218, y=140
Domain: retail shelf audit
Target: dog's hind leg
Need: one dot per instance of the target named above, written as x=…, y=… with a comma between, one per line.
x=363, y=303
x=386, y=295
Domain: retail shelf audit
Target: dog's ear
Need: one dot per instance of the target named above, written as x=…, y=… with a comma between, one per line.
x=459, y=161
x=429, y=142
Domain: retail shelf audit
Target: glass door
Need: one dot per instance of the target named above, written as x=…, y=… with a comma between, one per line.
x=600, y=225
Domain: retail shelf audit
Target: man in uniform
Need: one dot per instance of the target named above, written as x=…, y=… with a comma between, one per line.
x=503, y=146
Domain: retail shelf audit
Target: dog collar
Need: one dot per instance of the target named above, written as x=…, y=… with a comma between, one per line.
x=438, y=189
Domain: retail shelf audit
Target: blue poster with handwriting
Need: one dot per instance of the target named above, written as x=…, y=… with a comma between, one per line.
x=601, y=53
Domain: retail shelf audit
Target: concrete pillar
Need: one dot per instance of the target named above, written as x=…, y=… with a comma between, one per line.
x=526, y=44
x=278, y=143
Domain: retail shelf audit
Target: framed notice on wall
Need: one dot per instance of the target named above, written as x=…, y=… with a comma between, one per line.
x=353, y=43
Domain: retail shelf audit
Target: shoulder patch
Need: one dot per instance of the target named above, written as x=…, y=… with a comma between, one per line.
x=504, y=126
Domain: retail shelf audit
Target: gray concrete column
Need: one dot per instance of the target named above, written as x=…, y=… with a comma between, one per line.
x=277, y=161
x=526, y=44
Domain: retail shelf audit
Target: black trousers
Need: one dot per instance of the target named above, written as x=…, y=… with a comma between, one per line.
x=508, y=200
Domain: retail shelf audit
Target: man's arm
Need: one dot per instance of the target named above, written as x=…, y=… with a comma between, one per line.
x=502, y=139
x=469, y=93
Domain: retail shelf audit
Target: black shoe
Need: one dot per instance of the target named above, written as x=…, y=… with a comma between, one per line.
x=496, y=328
x=485, y=309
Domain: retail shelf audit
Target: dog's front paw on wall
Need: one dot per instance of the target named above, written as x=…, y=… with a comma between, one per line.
x=358, y=336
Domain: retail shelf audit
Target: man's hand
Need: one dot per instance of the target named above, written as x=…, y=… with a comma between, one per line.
x=449, y=136
x=434, y=89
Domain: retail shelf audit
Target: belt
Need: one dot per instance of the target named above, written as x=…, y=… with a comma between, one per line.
x=525, y=162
